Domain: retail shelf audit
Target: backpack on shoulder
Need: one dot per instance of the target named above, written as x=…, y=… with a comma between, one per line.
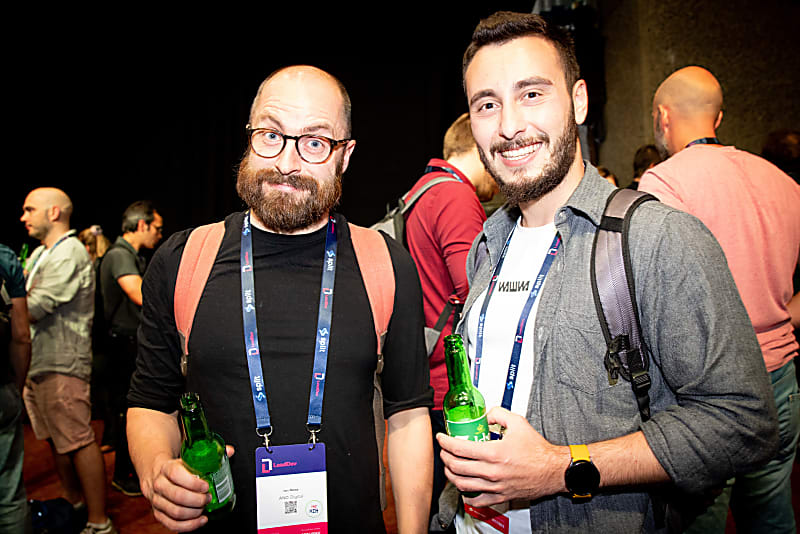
x=627, y=354
x=614, y=293
x=393, y=224
x=375, y=264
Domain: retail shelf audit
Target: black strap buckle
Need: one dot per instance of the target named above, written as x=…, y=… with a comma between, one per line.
x=621, y=360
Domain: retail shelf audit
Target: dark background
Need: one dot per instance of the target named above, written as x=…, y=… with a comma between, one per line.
x=117, y=107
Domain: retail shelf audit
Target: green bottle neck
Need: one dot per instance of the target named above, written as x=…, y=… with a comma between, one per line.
x=457, y=364
x=195, y=427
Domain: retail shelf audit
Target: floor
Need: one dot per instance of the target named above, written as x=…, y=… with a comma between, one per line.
x=132, y=515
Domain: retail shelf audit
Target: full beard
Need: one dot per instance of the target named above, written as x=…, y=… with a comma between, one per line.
x=533, y=188
x=287, y=211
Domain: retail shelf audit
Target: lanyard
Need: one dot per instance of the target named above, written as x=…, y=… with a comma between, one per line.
x=41, y=256
x=704, y=141
x=516, y=351
x=263, y=422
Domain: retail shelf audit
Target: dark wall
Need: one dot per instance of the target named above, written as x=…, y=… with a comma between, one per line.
x=153, y=105
x=751, y=47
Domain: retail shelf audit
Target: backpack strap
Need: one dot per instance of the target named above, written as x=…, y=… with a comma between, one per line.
x=615, y=297
x=406, y=201
x=372, y=255
x=375, y=264
x=197, y=260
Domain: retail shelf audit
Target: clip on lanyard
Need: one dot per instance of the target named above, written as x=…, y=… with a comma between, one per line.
x=263, y=423
x=704, y=141
x=516, y=351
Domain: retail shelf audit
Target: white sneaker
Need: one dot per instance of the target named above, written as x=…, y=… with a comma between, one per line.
x=94, y=528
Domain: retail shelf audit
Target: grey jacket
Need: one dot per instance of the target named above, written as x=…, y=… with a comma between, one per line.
x=713, y=410
x=61, y=302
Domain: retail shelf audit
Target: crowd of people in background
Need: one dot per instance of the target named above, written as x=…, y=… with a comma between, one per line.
x=70, y=360
x=88, y=331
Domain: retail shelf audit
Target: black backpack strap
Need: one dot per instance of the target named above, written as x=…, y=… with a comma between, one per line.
x=615, y=297
x=453, y=306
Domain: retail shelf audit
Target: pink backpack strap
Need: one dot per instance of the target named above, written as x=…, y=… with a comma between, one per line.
x=197, y=260
x=375, y=263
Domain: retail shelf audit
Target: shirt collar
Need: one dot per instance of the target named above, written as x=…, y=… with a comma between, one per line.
x=122, y=242
x=584, y=199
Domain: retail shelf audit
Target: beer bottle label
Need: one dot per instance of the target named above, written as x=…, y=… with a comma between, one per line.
x=223, y=481
x=471, y=430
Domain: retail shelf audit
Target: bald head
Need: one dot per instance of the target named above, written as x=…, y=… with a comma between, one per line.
x=308, y=77
x=46, y=214
x=692, y=93
x=686, y=106
x=51, y=197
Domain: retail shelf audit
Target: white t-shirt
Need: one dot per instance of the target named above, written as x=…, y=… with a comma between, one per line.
x=524, y=258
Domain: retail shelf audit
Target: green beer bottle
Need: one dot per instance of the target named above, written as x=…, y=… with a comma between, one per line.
x=463, y=406
x=203, y=453
x=23, y=256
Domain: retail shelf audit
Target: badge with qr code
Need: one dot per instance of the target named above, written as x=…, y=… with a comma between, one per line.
x=291, y=490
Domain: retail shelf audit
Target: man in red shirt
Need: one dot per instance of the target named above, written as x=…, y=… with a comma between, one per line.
x=439, y=231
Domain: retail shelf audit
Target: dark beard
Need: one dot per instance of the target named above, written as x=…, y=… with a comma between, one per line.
x=287, y=212
x=534, y=188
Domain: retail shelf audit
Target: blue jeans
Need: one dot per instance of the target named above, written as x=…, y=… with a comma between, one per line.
x=13, y=504
x=761, y=501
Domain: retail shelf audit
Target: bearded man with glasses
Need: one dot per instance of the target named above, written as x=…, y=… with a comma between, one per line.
x=290, y=178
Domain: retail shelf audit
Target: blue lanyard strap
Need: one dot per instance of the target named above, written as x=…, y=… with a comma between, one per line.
x=704, y=141
x=516, y=351
x=253, y=352
x=324, y=318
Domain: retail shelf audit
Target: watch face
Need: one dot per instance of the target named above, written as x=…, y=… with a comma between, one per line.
x=582, y=478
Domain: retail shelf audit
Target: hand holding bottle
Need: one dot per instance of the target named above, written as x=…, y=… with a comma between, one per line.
x=523, y=465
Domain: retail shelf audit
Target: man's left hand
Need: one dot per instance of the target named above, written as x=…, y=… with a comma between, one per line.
x=522, y=465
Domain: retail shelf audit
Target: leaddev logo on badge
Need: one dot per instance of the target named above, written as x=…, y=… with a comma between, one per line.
x=267, y=466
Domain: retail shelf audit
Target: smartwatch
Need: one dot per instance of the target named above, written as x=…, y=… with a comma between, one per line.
x=581, y=477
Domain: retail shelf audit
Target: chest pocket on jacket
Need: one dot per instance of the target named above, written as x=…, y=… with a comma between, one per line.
x=588, y=405
x=580, y=350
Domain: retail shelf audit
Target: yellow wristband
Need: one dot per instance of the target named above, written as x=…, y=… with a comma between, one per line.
x=579, y=452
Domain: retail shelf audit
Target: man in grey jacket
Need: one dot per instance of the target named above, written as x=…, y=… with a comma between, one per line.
x=575, y=454
x=60, y=288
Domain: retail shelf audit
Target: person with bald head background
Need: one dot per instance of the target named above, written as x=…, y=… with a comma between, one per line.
x=60, y=299
x=751, y=207
x=290, y=178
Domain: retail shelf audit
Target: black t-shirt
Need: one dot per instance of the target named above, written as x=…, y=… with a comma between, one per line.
x=288, y=273
x=120, y=312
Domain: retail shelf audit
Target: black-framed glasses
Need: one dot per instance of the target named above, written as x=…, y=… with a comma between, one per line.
x=268, y=143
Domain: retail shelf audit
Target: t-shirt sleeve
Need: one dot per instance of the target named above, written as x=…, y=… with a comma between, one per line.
x=406, y=373
x=11, y=273
x=459, y=219
x=157, y=381
x=665, y=190
x=120, y=263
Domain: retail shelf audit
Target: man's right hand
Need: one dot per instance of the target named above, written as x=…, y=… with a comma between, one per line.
x=176, y=495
